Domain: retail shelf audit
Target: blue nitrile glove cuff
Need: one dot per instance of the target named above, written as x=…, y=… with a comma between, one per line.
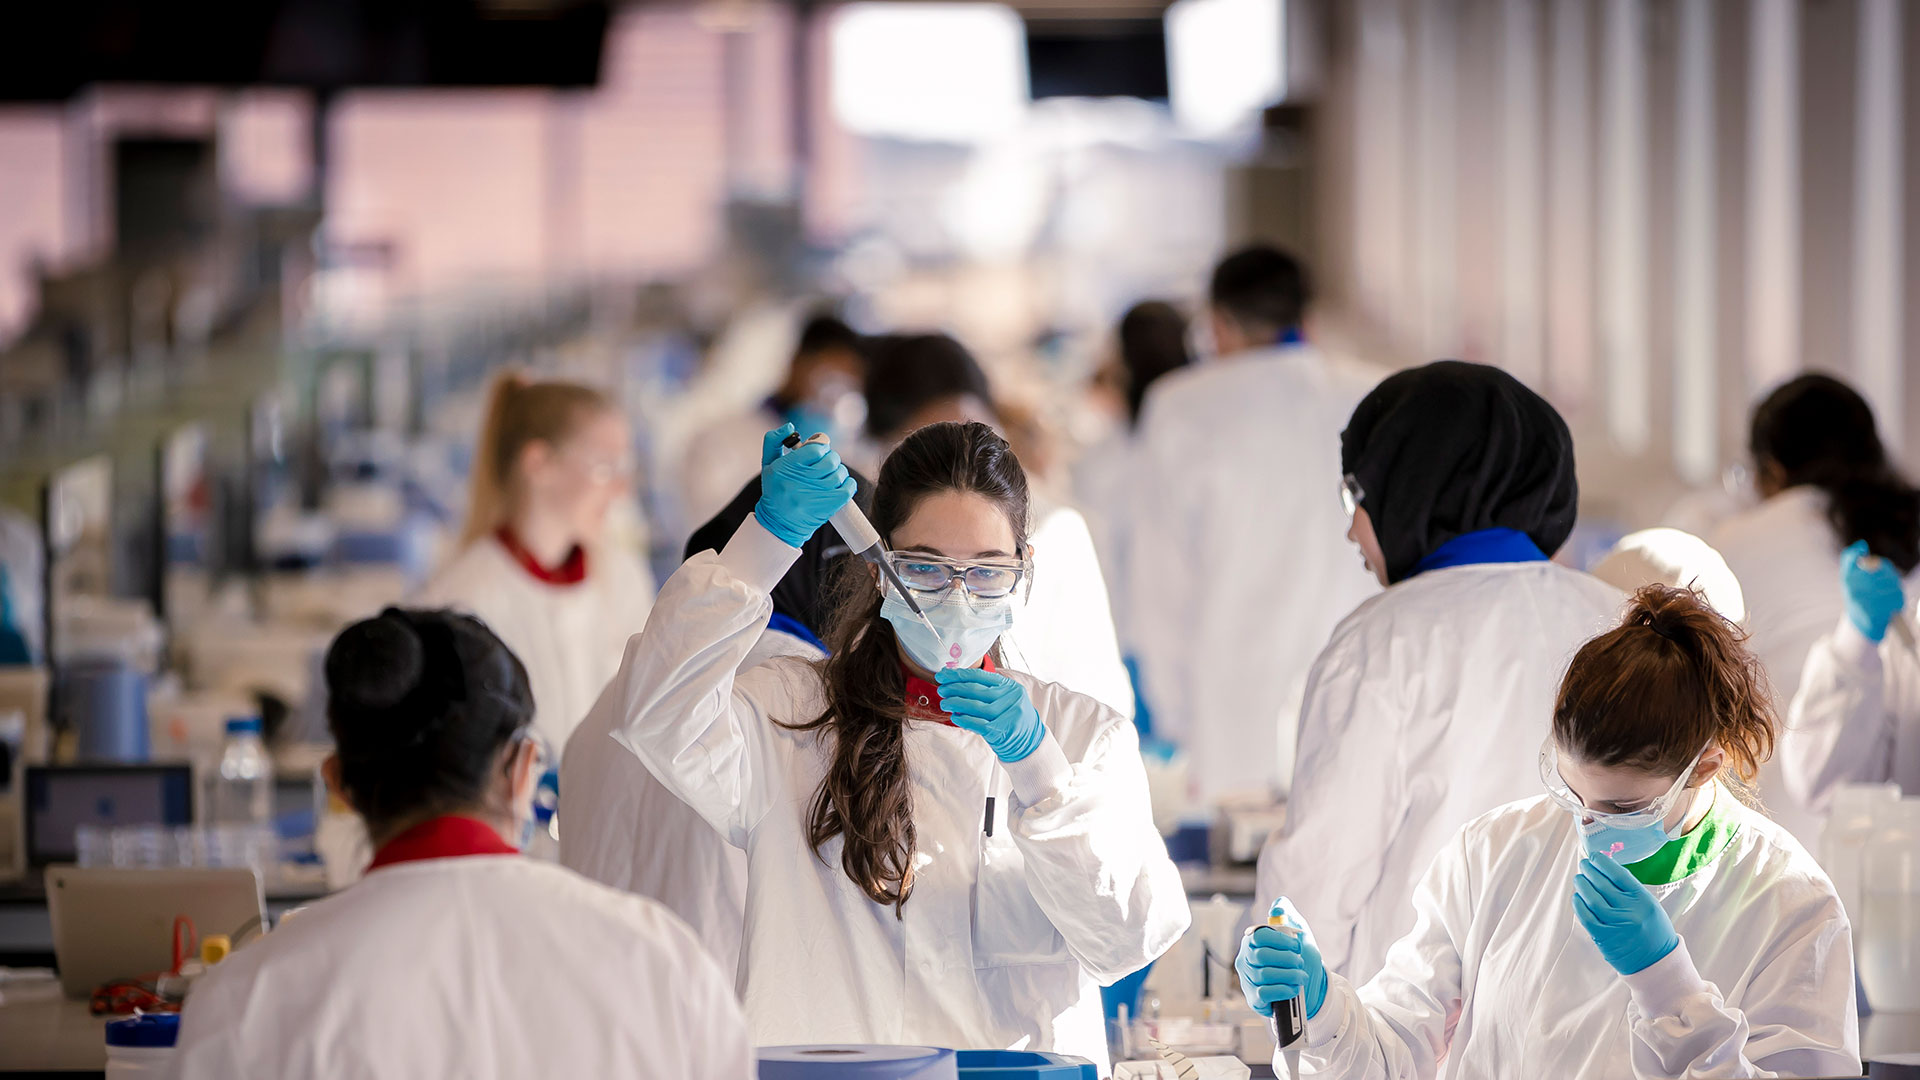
x=994, y=707
x=1874, y=596
x=800, y=489
x=1622, y=916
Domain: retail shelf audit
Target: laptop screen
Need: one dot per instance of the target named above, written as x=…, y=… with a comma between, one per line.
x=61, y=799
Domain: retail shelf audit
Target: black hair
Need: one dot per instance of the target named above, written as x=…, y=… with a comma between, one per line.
x=911, y=371
x=1263, y=289
x=420, y=704
x=1153, y=342
x=1819, y=431
x=823, y=332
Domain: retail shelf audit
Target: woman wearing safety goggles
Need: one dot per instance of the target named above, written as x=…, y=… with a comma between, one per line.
x=939, y=851
x=1637, y=921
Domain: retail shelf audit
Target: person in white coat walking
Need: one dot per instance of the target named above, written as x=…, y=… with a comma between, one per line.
x=939, y=851
x=1636, y=921
x=1235, y=563
x=534, y=562
x=455, y=956
x=1426, y=708
x=624, y=828
x=1825, y=482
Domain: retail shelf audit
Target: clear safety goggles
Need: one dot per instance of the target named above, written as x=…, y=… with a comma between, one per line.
x=1654, y=813
x=606, y=470
x=981, y=580
x=1351, y=495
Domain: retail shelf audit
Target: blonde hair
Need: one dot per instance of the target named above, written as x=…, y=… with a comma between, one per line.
x=519, y=412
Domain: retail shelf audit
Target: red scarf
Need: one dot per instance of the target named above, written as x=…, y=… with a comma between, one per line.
x=445, y=837
x=923, y=697
x=571, y=571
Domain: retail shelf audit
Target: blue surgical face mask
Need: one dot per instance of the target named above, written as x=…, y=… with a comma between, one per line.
x=967, y=629
x=1625, y=846
x=1624, y=837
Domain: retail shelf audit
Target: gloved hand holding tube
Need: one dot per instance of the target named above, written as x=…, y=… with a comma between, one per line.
x=1876, y=598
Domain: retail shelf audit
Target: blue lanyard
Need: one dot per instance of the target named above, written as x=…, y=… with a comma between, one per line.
x=1482, y=546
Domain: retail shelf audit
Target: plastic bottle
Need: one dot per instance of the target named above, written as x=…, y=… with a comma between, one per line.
x=242, y=791
x=1850, y=824
x=1887, y=935
x=141, y=1048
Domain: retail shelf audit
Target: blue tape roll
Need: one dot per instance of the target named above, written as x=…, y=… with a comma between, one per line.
x=848, y=1062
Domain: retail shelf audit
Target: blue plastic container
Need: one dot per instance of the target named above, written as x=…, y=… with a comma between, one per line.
x=1024, y=1065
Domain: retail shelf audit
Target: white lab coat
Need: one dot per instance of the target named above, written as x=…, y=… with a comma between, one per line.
x=1006, y=938
x=1855, y=720
x=1787, y=557
x=1103, y=481
x=570, y=637
x=1239, y=566
x=1063, y=632
x=1498, y=979
x=625, y=829
x=485, y=967
x=1426, y=710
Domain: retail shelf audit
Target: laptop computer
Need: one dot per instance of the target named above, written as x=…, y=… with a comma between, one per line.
x=111, y=923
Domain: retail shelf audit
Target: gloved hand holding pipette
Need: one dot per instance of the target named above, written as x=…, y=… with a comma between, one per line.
x=802, y=486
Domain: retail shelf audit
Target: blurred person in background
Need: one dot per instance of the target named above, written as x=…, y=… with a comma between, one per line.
x=1152, y=342
x=1427, y=707
x=1064, y=632
x=626, y=829
x=1825, y=483
x=821, y=393
x=455, y=956
x=1671, y=557
x=534, y=564
x=1235, y=563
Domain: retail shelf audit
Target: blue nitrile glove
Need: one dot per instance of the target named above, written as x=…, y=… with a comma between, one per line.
x=1874, y=596
x=799, y=488
x=1621, y=915
x=993, y=707
x=1277, y=967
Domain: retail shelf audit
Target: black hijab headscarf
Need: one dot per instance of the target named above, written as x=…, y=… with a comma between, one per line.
x=798, y=594
x=1452, y=448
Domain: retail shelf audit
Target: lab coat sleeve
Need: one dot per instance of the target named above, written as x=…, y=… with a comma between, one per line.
x=1399, y=1026
x=1345, y=804
x=1094, y=862
x=705, y=734
x=1798, y=1016
x=1838, y=727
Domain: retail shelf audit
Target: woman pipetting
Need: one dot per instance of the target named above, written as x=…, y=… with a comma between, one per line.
x=535, y=563
x=455, y=956
x=1635, y=921
x=939, y=851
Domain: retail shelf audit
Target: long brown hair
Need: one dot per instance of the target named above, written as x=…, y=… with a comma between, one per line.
x=1671, y=677
x=866, y=797
x=519, y=412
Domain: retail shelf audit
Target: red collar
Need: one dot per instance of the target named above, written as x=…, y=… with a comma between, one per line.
x=923, y=697
x=442, y=838
x=571, y=571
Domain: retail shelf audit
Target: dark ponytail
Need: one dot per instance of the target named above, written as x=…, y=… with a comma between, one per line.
x=420, y=704
x=1153, y=342
x=866, y=797
x=1817, y=431
x=1671, y=677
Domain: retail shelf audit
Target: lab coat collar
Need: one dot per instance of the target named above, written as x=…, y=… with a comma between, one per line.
x=571, y=571
x=444, y=837
x=923, y=697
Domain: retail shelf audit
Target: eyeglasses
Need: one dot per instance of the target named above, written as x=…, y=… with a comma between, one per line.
x=1563, y=796
x=982, y=580
x=1351, y=495
x=602, y=470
